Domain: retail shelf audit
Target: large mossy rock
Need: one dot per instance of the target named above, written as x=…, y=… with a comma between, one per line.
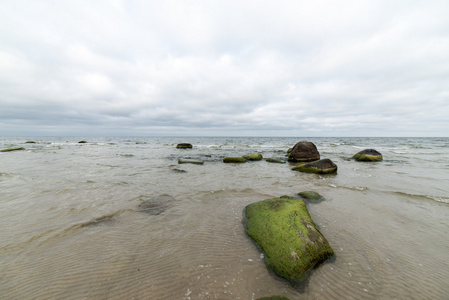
x=253, y=156
x=284, y=230
x=368, y=155
x=237, y=159
x=323, y=166
x=304, y=152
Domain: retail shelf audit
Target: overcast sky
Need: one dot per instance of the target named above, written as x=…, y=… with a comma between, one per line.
x=226, y=68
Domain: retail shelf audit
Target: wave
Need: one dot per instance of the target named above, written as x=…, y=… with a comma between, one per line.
x=439, y=199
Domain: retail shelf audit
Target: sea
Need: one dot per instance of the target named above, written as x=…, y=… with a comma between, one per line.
x=72, y=226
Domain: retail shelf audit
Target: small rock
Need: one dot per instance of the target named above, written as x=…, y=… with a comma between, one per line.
x=184, y=146
x=238, y=159
x=323, y=166
x=368, y=155
x=253, y=156
x=12, y=149
x=190, y=161
x=82, y=142
x=275, y=160
x=311, y=196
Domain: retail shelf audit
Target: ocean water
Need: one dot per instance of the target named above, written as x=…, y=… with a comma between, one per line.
x=71, y=226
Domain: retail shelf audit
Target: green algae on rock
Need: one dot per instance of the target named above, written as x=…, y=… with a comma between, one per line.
x=368, y=155
x=311, y=196
x=190, y=161
x=275, y=160
x=237, y=159
x=253, y=156
x=322, y=166
x=284, y=230
x=12, y=149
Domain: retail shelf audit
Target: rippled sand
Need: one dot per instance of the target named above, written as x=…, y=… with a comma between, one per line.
x=74, y=230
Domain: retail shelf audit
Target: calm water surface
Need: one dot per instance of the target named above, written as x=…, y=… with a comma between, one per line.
x=71, y=229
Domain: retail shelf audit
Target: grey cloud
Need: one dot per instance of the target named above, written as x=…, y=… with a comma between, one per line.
x=230, y=68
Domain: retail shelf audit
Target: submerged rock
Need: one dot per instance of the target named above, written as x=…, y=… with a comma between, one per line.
x=275, y=160
x=30, y=142
x=253, y=156
x=156, y=205
x=284, y=230
x=184, y=146
x=323, y=166
x=12, y=149
x=238, y=159
x=304, y=152
x=190, y=161
x=273, y=298
x=368, y=155
x=311, y=196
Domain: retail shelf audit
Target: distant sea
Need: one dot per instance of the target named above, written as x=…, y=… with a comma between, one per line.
x=71, y=226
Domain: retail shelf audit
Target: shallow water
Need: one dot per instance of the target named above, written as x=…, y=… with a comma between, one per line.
x=71, y=228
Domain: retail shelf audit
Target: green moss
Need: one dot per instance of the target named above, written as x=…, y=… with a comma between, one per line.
x=284, y=230
x=275, y=160
x=12, y=149
x=366, y=157
x=253, y=156
x=234, y=160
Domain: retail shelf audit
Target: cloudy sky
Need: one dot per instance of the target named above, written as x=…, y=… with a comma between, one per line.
x=224, y=68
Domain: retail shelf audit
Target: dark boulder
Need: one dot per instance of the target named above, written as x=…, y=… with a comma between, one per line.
x=368, y=155
x=184, y=146
x=304, y=152
x=323, y=166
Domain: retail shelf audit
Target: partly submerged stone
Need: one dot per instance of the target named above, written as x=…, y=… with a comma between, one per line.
x=253, y=156
x=184, y=146
x=237, y=159
x=82, y=142
x=311, y=196
x=368, y=155
x=275, y=160
x=156, y=205
x=323, y=166
x=190, y=161
x=12, y=149
x=273, y=298
x=284, y=230
x=30, y=142
x=304, y=152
